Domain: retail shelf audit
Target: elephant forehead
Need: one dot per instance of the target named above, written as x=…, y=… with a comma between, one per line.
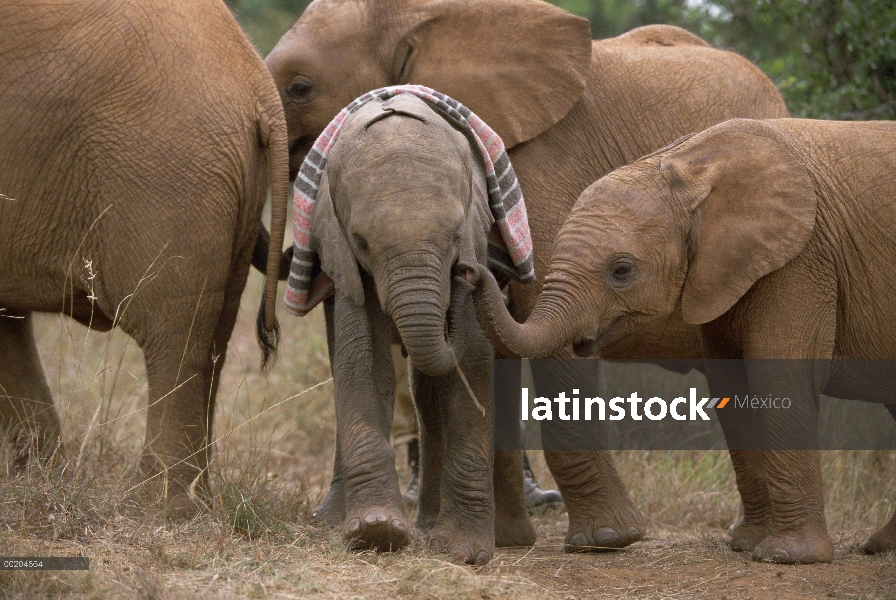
x=401, y=159
x=401, y=123
x=420, y=209
x=626, y=199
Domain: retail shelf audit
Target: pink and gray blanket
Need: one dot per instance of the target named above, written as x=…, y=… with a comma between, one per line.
x=308, y=285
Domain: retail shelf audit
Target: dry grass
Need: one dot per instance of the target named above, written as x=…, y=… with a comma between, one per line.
x=255, y=541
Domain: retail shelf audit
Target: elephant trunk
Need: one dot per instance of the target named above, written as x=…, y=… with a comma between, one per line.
x=543, y=333
x=418, y=305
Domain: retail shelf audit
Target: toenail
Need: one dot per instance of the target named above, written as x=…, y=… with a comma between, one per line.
x=353, y=527
x=462, y=552
x=374, y=518
x=399, y=526
x=607, y=537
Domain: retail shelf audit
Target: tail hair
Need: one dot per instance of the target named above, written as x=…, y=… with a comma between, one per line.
x=268, y=341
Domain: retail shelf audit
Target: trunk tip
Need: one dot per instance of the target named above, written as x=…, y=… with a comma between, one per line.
x=468, y=276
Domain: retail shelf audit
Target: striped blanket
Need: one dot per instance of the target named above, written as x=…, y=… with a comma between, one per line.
x=308, y=285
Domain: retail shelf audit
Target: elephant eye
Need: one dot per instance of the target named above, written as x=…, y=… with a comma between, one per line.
x=300, y=89
x=361, y=244
x=456, y=238
x=621, y=270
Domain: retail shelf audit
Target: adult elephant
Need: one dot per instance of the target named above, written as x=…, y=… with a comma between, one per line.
x=753, y=232
x=570, y=109
x=137, y=144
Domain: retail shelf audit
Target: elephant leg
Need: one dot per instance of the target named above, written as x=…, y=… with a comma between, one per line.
x=181, y=359
x=26, y=405
x=365, y=395
x=601, y=514
x=882, y=540
x=183, y=327
x=758, y=517
x=332, y=510
x=742, y=428
x=513, y=528
x=432, y=449
x=792, y=467
x=466, y=523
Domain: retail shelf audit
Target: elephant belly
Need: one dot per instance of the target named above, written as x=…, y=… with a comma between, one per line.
x=20, y=294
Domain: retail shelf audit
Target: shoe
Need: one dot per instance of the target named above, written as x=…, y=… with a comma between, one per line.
x=412, y=494
x=537, y=498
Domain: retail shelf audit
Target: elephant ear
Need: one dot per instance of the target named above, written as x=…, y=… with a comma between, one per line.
x=518, y=64
x=752, y=207
x=331, y=244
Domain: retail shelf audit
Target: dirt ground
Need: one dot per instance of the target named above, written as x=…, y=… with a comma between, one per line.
x=677, y=563
x=670, y=563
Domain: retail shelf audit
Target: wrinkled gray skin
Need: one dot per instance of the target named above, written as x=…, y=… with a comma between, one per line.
x=403, y=199
x=775, y=240
x=137, y=143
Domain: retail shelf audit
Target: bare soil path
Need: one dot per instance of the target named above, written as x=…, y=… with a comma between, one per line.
x=676, y=563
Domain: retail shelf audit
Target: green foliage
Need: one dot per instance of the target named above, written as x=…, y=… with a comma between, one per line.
x=264, y=21
x=833, y=59
x=609, y=18
x=830, y=59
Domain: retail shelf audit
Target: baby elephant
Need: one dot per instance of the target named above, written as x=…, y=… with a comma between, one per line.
x=778, y=240
x=409, y=188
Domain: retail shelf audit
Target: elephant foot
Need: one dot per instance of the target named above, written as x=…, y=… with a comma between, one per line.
x=514, y=532
x=882, y=540
x=181, y=495
x=182, y=508
x=745, y=538
x=606, y=531
x=332, y=510
x=810, y=544
x=379, y=529
x=583, y=537
x=747, y=534
x=468, y=548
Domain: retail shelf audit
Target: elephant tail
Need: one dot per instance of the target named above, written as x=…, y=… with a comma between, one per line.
x=274, y=137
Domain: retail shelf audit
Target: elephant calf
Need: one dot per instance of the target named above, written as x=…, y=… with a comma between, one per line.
x=776, y=238
x=409, y=188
